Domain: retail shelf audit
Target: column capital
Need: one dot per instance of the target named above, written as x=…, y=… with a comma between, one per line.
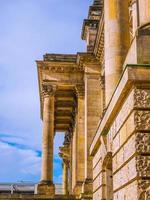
x=64, y=152
x=80, y=90
x=67, y=138
x=48, y=90
x=66, y=161
x=102, y=81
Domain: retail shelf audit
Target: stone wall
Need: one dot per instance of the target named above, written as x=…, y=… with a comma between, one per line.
x=129, y=141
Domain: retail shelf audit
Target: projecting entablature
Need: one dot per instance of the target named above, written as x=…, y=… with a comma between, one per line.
x=65, y=74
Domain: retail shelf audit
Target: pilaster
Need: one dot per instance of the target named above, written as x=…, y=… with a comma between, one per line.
x=93, y=112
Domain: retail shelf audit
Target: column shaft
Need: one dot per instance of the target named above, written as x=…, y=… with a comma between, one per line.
x=46, y=186
x=48, y=136
x=80, y=164
x=65, y=178
x=74, y=157
x=117, y=41
x=144, y=11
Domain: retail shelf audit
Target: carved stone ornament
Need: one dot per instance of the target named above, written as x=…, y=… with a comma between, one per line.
x=69, y=69
x=144, y=189
x=142, y=120
x=102, y=82
x=67, y=138
x=142, y=98
x=143, y=142
x=63, y=69
x=80, y=89
x=49, y=90
x=143, y=165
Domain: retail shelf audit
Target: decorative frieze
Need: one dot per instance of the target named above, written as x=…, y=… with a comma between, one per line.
x=65, y=69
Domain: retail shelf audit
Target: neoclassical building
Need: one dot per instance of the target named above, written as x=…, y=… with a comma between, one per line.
x=100, y=100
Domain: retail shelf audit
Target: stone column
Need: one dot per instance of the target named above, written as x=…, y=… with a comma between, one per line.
x=46, y=186
x=65, y=177
x=70, y=169
x=144, y=11
x=80, y=139
x=117, y=41
x=65, y=155
x=74, y=158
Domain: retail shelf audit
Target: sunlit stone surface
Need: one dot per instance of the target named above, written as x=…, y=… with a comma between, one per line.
x=100, y=99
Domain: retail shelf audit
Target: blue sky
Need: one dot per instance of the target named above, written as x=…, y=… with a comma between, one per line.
x=29, y=29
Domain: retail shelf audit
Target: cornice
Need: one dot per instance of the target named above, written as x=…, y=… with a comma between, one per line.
x=86, y=58
x=60, y=57
x=88, y=23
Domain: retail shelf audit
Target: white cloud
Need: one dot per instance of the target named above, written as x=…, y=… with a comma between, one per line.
x=29, y=29
x=19, y=164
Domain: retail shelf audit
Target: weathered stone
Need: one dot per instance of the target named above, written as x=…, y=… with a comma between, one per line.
x=143, y=143
x=142, y=98
x=109, y=147
x=142, y=120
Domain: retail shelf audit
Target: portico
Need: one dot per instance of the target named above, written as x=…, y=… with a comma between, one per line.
x=62, y=83
x=100, y=100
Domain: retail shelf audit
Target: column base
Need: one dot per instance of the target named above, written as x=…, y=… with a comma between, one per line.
x=78, y=189
x=46, y=188
x=87, y=187
x=86, y=196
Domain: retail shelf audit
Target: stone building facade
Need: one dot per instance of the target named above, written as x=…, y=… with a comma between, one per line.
x=100, y=99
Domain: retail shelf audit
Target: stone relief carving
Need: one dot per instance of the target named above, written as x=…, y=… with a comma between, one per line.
x=142, y=98
x=65, y=69
x=80, y=89
x=48, y=90
x=143, y=142
x=102, y=82
x=67, y=139
x=143, y=165
x=144, y=189
x=142, y=120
